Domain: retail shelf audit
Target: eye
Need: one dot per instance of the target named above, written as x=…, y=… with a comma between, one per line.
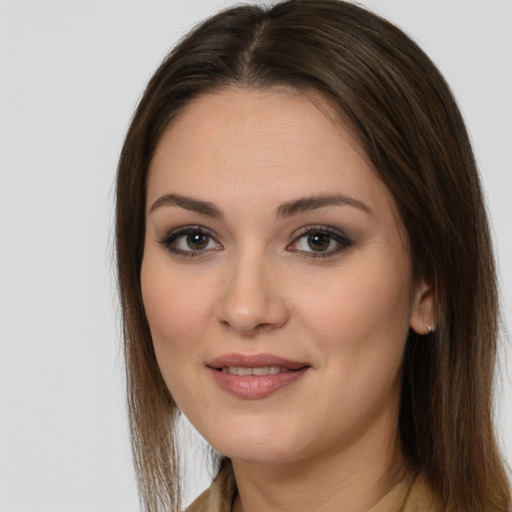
x=190, y=241
x=320, y=241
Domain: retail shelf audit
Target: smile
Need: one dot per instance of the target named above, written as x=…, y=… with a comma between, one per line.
x=255, y=376
x=260, y=370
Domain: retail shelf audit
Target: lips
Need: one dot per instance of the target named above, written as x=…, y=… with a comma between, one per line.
x=258, y=370
x=254, y=361
x=255, y=376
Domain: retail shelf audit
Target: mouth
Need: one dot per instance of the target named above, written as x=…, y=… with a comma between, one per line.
x=259, y=362
x=259, y=370
x=256, y=376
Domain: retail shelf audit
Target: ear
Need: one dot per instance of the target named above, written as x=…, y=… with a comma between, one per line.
x=423, y=319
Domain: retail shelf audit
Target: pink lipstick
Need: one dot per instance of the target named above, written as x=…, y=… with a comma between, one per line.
x=255, y=376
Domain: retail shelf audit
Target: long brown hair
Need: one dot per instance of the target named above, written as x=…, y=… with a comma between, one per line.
x=396, y=101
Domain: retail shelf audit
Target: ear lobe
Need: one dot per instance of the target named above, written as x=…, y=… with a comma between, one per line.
x=423, y=319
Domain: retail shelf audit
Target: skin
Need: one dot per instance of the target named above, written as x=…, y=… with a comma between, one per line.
x=327, y=441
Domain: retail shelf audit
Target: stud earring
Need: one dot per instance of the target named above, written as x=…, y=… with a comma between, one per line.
x=430, y=328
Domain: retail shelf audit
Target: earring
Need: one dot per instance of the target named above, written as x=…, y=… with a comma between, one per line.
x=430, y=328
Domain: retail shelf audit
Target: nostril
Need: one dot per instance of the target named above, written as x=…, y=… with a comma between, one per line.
x=262, y=326
x=251, y=309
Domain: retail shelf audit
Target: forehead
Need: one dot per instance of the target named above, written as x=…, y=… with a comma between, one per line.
x=271, y=143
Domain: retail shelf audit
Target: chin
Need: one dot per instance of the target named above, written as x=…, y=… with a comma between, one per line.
x=256, y=445
x=257, y=455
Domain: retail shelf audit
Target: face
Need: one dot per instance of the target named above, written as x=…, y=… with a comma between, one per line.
x=276, y=279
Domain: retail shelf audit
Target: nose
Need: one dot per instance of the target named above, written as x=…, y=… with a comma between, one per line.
x=252, y=300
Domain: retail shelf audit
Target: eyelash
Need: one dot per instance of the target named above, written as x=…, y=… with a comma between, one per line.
x=335, y=235
x=171, y=238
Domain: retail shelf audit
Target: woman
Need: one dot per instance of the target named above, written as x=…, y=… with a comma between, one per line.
x=306, y=272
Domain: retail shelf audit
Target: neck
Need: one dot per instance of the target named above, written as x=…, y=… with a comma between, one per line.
x=352, y=479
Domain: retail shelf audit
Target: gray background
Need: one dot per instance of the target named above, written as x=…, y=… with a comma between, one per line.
x=70, y=76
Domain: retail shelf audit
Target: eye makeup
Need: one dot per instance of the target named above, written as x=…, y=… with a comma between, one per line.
x=319, y=241
x=190, y=241
x=312, y=241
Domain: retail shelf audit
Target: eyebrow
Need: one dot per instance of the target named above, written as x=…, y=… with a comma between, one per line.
x=194, y=205
x=288, y=209
x=315, y=202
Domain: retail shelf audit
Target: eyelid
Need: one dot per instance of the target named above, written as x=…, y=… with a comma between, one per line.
x=336, y=234
x=174, y=234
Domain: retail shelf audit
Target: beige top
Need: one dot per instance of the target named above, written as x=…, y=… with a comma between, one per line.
x=409, y=495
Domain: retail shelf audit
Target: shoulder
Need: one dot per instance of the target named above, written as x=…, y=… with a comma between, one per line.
x=414, y=494
x=201, y=503
x=219, y=496
x=421, y=497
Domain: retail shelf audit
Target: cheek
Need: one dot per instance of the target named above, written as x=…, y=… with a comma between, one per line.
x=356, y=310
x=176, y=309
x=177, y=314
x=359, y=324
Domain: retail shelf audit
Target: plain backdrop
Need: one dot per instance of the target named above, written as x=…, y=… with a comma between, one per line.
x=71, y=73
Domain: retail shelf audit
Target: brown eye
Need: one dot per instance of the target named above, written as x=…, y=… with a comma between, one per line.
x=197, y=241
x=319, y=242
x=190, y=241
